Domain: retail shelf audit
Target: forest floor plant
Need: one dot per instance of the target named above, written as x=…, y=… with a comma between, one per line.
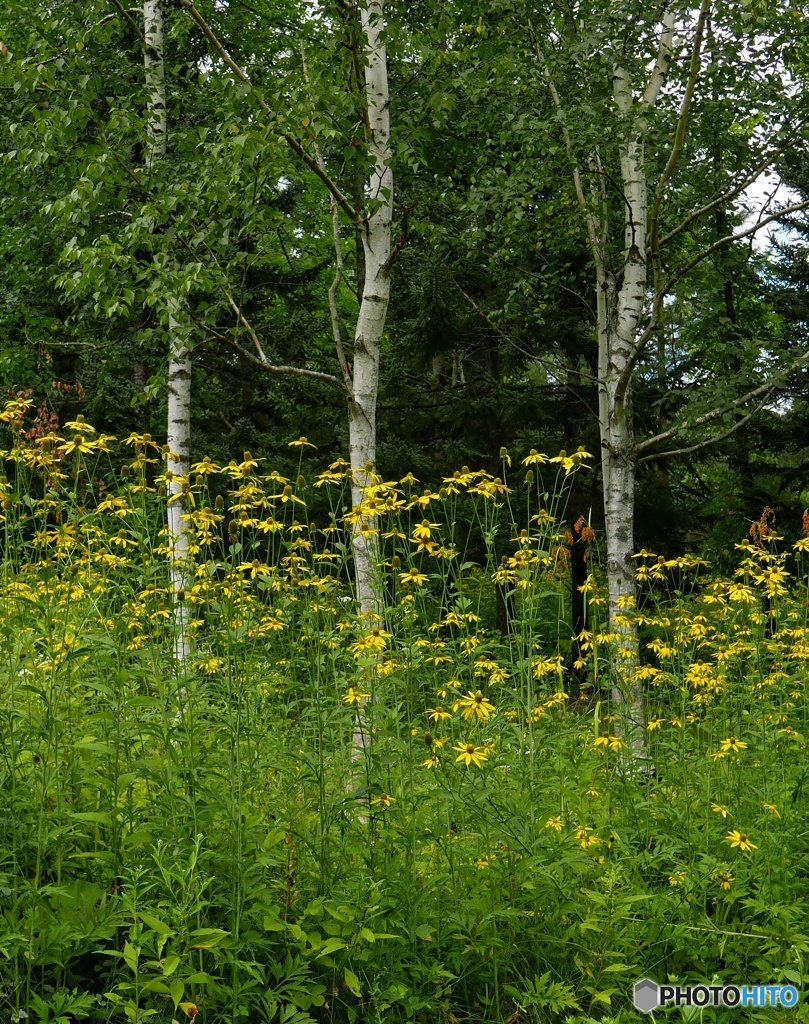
x=177, y=842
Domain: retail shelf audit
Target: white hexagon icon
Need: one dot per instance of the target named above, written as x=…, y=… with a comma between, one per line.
x=646, y=997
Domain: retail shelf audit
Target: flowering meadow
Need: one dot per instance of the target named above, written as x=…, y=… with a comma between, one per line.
x=207, y=838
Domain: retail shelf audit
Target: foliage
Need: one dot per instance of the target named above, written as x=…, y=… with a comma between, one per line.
x=198, y=841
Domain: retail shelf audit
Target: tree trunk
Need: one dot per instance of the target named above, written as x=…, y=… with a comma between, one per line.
x=619, y=311
x=178, y=438
x=376, y=249
x=375, y=295
x=178, y=435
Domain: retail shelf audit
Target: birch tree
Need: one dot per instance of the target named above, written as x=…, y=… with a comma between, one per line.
x=611, y=171
x=371, y=216
x=178, y=425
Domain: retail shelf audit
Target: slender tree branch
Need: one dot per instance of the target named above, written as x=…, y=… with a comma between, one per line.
x=291, y=141
x=660, y=190
x=334, y=313
x=759, y=392
x=298, y=371
x=590, y=219
x=133, y=24
x=662, y=290
x=727, y=240
x=703, y=444
x=658, y=75
x=720, y=199
x=240, y=317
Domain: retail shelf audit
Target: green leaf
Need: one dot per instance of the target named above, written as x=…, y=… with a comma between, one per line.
x=353, y=982
x=170, y=965
x=206, y=938
x=176, y=989
x=155, y=923
x=330, y=946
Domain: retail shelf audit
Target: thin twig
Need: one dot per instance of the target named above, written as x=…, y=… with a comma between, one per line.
x=298, y=371
x=708, y=417
x=334, y=312
x=703, y=444
x=131, y=20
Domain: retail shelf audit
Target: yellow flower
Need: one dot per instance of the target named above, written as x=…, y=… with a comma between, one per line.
x=499, y=675
x=301, y=443
x=584, y=837
x=413, y=576
x=655, y=723
x=534, y=458
x=732, y=744
x=470, y=754
x=677, y=878
x=205, y=467
x=424, y=530
x=79, y=425
x=772, y=809
x=720, y=809
x=355, y=696
x=78, y=444
x=740, y=839
x=474, y=705
x=606, y=740
x=437, y=714
x=432, y=761
x=725, y=879
x=554, y=823
x=384, y=800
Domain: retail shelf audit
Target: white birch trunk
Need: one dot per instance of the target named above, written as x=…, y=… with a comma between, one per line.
x=178, y=438
x=155, y=73
x=619, y=312
x=179, y=371
x=376, y=244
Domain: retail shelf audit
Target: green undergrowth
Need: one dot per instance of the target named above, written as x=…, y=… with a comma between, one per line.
x=211, y=840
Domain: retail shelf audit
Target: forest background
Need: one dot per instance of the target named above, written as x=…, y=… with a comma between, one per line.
x=418, y=239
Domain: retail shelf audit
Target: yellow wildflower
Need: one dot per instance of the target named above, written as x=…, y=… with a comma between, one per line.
x=740, y=840
x=471, y=754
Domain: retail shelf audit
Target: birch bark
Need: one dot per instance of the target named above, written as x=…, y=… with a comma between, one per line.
x=375, y=233
x=178, y=436
x=376, y=248
x=620, y=308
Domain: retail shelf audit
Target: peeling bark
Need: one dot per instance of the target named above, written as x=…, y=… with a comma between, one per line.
x=178, y=435
x=376, y=236
x=376, y=249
